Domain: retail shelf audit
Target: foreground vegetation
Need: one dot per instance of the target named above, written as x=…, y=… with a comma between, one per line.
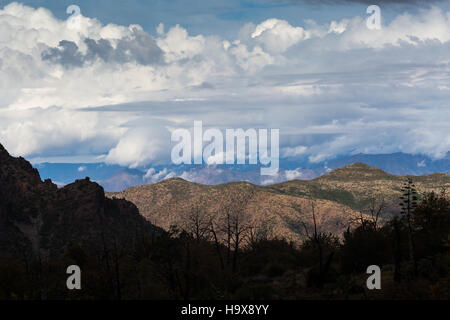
x=201, y=261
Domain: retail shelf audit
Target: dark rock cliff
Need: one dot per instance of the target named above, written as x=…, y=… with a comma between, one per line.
x=38, y=219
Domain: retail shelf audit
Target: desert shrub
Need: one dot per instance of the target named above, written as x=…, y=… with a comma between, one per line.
x=364, y=246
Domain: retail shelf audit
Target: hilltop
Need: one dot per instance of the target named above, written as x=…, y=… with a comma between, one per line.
x=338, y=198
x=358, y=184
x=172, y=201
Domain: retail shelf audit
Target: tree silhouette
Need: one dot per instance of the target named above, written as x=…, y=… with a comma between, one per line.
x=408, y=204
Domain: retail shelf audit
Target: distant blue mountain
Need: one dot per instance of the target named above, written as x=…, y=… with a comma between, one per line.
x=397, y=163
x=64, y=173
x=116, y=178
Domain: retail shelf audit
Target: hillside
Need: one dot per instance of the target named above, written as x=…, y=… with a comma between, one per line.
x=38, y=219
x=44, y=229
x=173, y=201
x=357, y=184
x=283, y=209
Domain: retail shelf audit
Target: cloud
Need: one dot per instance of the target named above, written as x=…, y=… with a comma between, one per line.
x=138, y=47
x=253, y=60
x=332, y=88
x=153, y=176
x=66, y=54
x=293, y=152
x=432, y=24
x=178, y=45
x=294, y=174
x=139, y=147
x=277, y=36
x=56, y=131
x=421, y=164
x=368, y=2
x=94, y=65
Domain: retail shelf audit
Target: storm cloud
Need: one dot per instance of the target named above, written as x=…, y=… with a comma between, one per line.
x=332, y=88
x=139, y=47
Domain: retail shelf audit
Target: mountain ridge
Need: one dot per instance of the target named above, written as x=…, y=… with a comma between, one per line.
x=339, y=197
x=39, y=219
x=115, y=178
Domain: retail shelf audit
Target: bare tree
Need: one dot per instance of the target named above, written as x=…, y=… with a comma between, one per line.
x=240, y=227
x=213, y=231
x=197, y=222
x=373, y=213
x=262, y=232
x=376, y=210
x=316, y=238
x=298, y=224
x=234, y=226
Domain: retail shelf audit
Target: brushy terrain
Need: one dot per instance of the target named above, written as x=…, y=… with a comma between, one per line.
x=297, y=240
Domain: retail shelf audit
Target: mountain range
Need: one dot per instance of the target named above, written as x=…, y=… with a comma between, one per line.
x=39, y=217
x=223, y=240
x=335, y=201
x=115, y=178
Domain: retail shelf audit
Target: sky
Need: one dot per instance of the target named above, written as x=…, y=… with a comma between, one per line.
x=112, y=83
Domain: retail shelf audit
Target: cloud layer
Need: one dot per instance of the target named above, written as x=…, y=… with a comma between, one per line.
x=369, y=2
x=115, y=92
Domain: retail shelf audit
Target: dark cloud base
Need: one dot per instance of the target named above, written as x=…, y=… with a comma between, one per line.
x=140, y=47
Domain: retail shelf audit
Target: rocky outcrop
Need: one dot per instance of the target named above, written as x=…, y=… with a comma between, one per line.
x=37, y=218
